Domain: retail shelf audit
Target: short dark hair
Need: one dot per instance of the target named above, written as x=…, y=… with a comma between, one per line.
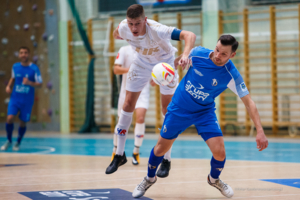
x=135, y=11
x=24, y=47
x=229, y=40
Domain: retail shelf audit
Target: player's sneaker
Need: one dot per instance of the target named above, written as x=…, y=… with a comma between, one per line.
x=16, y=147
x=225, y=189
x=135, y=158
x=5, y=146
x=164, y=169
x=117, y=161
x=112, y=156
x=141, y=188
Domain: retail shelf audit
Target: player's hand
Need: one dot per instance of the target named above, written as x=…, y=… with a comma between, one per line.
x=152, y=83
x=8, y=90
x=26, y=81
x=184, y=62
x=119, y=38
x=261, y=140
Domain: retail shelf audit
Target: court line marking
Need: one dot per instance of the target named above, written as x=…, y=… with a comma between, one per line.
x=138, y=170
x=183, y=182
x=258, y=196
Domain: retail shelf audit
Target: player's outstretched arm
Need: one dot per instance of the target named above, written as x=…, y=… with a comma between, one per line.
x=9, y=85
x=189, y=39
x=117, y=35
x=261, y=139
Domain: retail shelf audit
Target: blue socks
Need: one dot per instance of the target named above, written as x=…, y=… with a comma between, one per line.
x=22, y=131
x=9, y=131
x=153, y=163
x=216, y=167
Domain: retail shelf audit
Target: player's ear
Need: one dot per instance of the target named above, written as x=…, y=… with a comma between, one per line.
x=233, y=54
x=146, y=19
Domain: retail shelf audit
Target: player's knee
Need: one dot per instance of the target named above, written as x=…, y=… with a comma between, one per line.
x=220, y=154
x=10, y=119
x=128, y=107
x=140, y=119
x=159, y=150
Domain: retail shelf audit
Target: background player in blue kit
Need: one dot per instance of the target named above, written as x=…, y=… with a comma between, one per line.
x=25, y=77
x=211, y=73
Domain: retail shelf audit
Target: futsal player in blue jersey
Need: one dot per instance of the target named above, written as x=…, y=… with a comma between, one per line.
x=211, y=73
x=25, y=77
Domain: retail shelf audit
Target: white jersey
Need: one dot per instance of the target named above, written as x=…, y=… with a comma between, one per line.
x=125, y=58
x=154, y=46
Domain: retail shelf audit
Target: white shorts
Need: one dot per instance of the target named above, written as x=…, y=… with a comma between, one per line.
x=140, y=74
x=142, y=102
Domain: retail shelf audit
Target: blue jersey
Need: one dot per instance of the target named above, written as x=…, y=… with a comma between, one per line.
x=204, y=81
x=24, y=94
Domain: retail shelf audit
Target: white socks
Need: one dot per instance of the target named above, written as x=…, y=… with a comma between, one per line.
x=122, y=130
x=168, y=154
x=151, y=179
x=212, y=180
x=139, y=132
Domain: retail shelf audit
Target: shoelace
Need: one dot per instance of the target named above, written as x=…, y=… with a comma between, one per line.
x=222, y=185
x=143, y=184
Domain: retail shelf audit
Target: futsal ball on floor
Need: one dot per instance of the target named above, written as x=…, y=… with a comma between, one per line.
x=163, y=74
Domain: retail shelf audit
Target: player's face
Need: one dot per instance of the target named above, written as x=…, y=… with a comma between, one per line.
x=23, y=55
x=137, y=26
x=222, y=54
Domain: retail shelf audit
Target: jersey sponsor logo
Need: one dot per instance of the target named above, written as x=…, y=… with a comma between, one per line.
x=201, y=87
x=22, y=89
x=118, y=55
x=214, y=82
x=121, y=132
x=195, y=91
x=197, y=72
x=18, y=75
x=165, y=129
x=243, y=86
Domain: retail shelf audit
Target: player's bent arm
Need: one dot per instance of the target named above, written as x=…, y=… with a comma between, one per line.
x=116, y=34
x=189, y=39
x=118, y=69
x=261, y=138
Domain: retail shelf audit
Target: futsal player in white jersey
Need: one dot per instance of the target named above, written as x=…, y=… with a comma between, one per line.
x=151, y=41
x=122, y=63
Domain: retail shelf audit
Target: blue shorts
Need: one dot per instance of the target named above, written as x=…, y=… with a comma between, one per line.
x=25, y=110
x=178, y=119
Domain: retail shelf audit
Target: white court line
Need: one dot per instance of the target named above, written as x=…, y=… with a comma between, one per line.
x=260, y=196
x=121, y=170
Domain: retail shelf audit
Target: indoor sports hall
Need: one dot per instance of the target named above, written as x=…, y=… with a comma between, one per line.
x=69, y=138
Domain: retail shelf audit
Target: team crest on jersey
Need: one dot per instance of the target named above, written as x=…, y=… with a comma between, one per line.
x=132, y=74
x=214, y=82
x=243, y=87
